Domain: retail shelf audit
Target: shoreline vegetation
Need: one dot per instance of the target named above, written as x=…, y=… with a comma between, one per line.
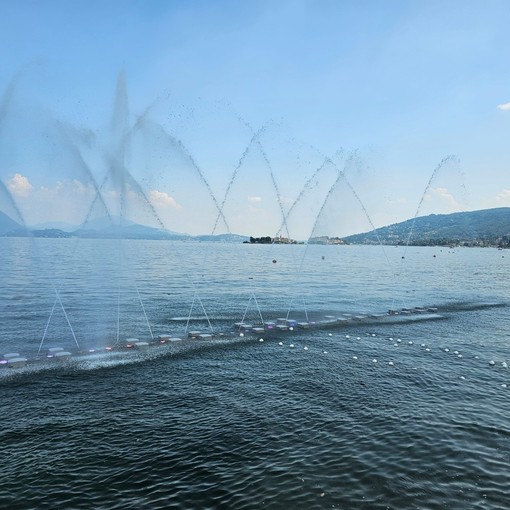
x=488, y=228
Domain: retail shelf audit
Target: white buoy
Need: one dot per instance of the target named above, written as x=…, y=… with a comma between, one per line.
x=280, y=343
x=477, y=357
x=373, y=334
x=325, y=352
x=355, y=357
x=398, y=340
x=455, y=352
x=330, y=334
x=306, y=348
x=503, y=385
x=346, y=336
x=504, y=364
x=447, y=350
x=241, y=334
x=427, y=349
x=410, y=343
x=374, y=361
x=462, y=377
x=291, y=345
x=423, y=345
x=390, y=339
x=395, y=345
x=358, y=338
x=291, y=329
x=390, y=363
x=261, y=339
x=492, y=362
x=459, y=355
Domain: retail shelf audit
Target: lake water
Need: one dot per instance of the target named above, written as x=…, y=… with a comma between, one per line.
x=239, y=423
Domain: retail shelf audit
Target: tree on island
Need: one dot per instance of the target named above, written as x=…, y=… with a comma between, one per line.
x=261, y=240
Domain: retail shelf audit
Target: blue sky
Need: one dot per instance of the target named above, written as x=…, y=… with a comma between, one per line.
x=404, y=83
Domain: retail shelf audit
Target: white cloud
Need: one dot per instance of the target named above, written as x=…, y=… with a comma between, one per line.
x=504, y=106
x=443, y=196
x=503, y=197
x=20, y=186
x=163, y=199
x=254, y=200
x=81, y=188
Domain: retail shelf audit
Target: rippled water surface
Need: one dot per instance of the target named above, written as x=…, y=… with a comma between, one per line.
x=240, y=423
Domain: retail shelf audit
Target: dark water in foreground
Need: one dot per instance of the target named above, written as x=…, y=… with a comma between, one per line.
x=250, y=424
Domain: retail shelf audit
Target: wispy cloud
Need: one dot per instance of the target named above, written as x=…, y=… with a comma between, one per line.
x=443, y=196
x=254, y=200
x=504, y=106
x=503, y=197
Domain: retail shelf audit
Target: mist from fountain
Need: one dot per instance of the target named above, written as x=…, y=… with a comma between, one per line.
x=135, y=159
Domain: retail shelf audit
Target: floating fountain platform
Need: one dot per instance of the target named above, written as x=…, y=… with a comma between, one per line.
x=13, y=360
x=279, y=326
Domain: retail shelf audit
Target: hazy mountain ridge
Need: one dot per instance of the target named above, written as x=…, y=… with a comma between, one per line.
x=107, y=228
x=487, y=227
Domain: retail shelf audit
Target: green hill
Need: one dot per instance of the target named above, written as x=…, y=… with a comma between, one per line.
x=488, y=227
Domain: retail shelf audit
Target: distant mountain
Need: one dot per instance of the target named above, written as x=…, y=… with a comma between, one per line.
x=128, y=232
x=105, y=222
x=7, y=224
x=54, y=225
x=106, y=228
x=488, y=227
